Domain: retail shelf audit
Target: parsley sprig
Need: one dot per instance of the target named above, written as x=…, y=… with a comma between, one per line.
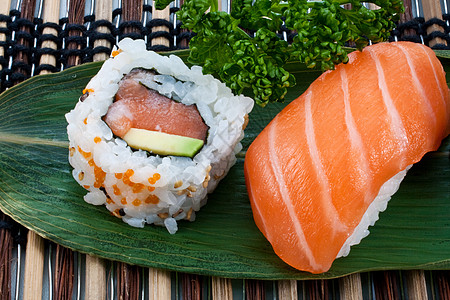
x=243, y=49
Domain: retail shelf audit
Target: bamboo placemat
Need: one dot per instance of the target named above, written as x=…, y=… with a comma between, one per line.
x=41, y=36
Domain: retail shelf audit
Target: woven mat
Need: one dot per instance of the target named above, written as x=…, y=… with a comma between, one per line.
x=24, y=43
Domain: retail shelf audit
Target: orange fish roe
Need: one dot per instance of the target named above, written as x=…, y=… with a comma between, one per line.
x=151, y=188
x=100, y=175
x=136, y=202
x=152, y=199
x=126, y=181
x=85, y=154
x=115, y=52
x=126, y=177
x=123, y=201
x=97, y=139
x=118, y=175
x=155, y=178
x=138, y=187
x=88, y=91
x=116, y=190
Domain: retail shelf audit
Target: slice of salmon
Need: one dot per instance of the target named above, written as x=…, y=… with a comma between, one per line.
x=312, y=173
x=137, y=106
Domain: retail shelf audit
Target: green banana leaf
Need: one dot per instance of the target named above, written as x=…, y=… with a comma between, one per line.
x=38, y=191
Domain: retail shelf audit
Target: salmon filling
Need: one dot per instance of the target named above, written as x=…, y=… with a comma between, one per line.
x=136, y=106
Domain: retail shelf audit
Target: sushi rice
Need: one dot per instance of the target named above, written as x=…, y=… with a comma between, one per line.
x=379, y=204
x=137, y=186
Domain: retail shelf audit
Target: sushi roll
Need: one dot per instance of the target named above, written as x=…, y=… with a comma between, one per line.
x=150, y=137
x=319, y=174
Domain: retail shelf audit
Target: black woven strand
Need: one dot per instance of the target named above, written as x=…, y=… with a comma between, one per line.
x=446, y=18
x=147, y=8
x=116, y=12
x=14, y=13
x=411, y=31
x=135, y=30
x=18, y=232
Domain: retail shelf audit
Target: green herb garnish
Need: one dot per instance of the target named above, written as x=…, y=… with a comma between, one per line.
x=243, y=49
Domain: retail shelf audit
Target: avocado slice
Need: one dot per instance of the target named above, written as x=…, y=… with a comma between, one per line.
x=162, y=143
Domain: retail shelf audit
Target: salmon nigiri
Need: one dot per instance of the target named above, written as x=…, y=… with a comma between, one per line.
x=320, y=172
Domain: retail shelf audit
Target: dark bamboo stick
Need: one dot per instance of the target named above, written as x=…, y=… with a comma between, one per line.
x=442, y=279
x=24, y=57
x=76, y=16
x=64, y=273
x=131, y=11
x=192, y=286
x=6, y=245
x=127, y=281
x=405, y=17
x=386, y=285
x=254, y=289
x=317, y=289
